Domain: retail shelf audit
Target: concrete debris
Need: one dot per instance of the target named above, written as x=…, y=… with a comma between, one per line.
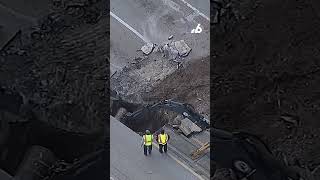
x=187, y=127
x=177, y=120
x=182, y=48
x=172, y=50
x=147, y=48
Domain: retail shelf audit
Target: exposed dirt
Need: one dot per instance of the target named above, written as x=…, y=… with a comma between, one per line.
x=190, y=84
x=266, y=65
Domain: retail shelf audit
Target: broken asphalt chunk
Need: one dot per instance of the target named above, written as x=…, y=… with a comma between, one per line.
x=147, y=48
x=182, y=47
x=187, y=127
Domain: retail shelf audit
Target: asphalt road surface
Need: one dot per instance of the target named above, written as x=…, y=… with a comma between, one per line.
x=129, y=163
x=135, y=22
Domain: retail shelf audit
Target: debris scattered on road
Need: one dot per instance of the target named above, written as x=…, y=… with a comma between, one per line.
x=173, y=50
x=147, y=48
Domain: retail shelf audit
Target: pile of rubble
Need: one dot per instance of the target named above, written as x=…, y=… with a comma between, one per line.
x=173, y=50
x=184, y=125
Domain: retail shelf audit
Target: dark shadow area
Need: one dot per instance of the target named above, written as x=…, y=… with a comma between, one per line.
x=265, y=76
x=54, y=88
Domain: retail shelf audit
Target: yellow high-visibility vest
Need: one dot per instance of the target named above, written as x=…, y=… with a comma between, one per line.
x=162, y=139
x=148, y=139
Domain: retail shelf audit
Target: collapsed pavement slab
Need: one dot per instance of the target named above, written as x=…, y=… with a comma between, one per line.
x=187, y=127
x=182, y=48
x=147, y=48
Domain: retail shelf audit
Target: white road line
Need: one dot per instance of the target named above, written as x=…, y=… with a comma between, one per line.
x=196, y=10
x=129, y=27
x=181, y=163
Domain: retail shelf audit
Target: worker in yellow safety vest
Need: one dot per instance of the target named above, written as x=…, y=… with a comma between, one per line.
x=163, y=140
x=147, y=142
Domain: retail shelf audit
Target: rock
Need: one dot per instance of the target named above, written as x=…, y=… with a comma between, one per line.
x=185, y=129
x=147, y=48
x=166, y=50
x=182, y=47
x=188, y=127
x=170, y=37
x=173, y=53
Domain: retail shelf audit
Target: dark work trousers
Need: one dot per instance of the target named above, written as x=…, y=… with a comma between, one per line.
x=163, y=147
x=147, y=149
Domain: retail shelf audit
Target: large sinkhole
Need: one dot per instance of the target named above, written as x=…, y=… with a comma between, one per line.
x=152, y=120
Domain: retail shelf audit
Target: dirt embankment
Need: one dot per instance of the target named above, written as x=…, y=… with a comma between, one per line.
x=190, y=84
x=266, y=74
